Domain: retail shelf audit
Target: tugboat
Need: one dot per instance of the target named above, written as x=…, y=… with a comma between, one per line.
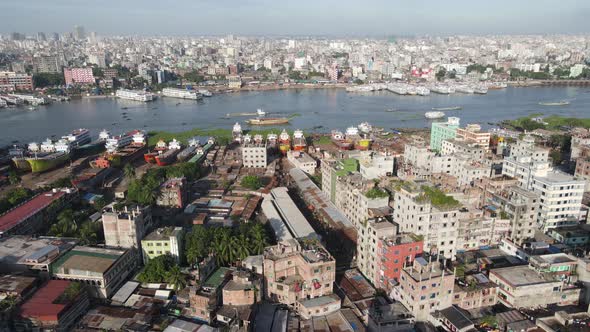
x=299, y=142
x=284, y=142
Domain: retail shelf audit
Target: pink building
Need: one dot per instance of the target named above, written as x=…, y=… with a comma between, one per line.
x=78, y=76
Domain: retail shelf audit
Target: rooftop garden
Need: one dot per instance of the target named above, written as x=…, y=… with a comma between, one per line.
x=376, y=192
x=437, y=198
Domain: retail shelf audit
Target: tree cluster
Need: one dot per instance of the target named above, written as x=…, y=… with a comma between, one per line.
x=251, y=182
x=75, y=223
x=145, y=191
x=163, y=269
x=228, y=245
x=43, y=80
x=13, y=198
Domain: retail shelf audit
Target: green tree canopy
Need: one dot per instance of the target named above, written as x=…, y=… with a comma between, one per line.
x=251, y=182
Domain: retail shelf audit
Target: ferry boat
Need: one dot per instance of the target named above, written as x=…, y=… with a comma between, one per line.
x=559, y=103
x=260, y=112
x=188, y=152
x=267, y=121
x=480, y=89
x=422, y=91
x=464, y=89
x=434, y=115
x=181, y=93
x=136, y=95
x=284, y=142
x=452, y=108
x=299, y=142
x=113, y=143
x=205, y=93
x=123, y=155
x=78, y=137
x=340, y=141
x=12, y=100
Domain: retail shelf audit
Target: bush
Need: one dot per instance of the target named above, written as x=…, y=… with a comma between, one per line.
x=251, y=182
x=438, y=198
x=375, y=192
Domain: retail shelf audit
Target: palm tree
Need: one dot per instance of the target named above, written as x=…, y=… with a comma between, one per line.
x=258, y=239
x=129, y=171
x=222, y=246
x=176, y=277
x=242, y=246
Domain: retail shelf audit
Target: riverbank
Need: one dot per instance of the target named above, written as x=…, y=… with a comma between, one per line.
x=552, y=122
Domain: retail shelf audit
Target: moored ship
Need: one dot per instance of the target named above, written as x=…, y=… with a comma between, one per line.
x=52, y=155
x=434, y=115
x=188, y=152
x=136, y=95
x=340, y=141
x=284, y=142
x=299, y=142
x=167, y=157
x=160, y=147
x=122, y=154
x=267, y=121
x=181, y=93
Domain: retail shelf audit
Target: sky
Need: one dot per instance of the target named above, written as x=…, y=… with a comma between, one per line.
x=297, y=17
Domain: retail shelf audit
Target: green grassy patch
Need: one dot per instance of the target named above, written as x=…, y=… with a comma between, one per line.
x=554, y=122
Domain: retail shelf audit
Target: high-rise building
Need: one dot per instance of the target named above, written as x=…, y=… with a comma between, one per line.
x=441, y=131
x=79, y=32
x=41, y=37
x=47, y=64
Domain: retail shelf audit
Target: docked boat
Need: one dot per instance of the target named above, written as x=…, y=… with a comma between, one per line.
x=48, y=162
x=267, y=121
x=434, y=115
x=497, y=85
x=237, y=132
x=365, y=127
x=136, y=95
x=113, y=143
x=3, y=103
x=78, y=137
x=205, y=93
x=167, y=157
x=18, y=155
x=260, y=112
x=480, y=89
x=284, y=142
x=464, y=89
x=189, y=151
x=299, y=142
x=181, y=93
x=160, y=148
x=340, y=141
x=559, y=103
x=452, y=108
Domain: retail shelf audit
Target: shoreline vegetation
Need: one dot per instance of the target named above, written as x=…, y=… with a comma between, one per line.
x=553, y=122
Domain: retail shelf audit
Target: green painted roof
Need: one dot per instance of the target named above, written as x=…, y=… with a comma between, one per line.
x=215, y=280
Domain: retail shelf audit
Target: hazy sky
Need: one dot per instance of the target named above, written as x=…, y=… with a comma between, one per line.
x=297, y=17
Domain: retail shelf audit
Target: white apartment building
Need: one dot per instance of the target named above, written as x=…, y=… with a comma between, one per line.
x=417, y=162
x=254, y=153
x=351, y=198
x=303, y=161
x=561, y=199
x=560, y=194
x=374, y=165
x=438, y=224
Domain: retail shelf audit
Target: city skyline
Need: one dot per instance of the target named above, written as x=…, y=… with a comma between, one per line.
x=372, y=18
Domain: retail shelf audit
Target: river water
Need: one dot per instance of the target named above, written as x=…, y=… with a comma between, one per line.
x=329, y=108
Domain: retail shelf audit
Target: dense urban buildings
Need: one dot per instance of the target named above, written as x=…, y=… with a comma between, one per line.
x=456, y=224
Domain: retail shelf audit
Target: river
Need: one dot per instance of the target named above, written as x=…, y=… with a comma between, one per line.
x=329, y=108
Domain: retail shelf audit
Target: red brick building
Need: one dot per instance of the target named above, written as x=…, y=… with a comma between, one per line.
x=79, y=76
x=11, y=81
x=393, y=253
